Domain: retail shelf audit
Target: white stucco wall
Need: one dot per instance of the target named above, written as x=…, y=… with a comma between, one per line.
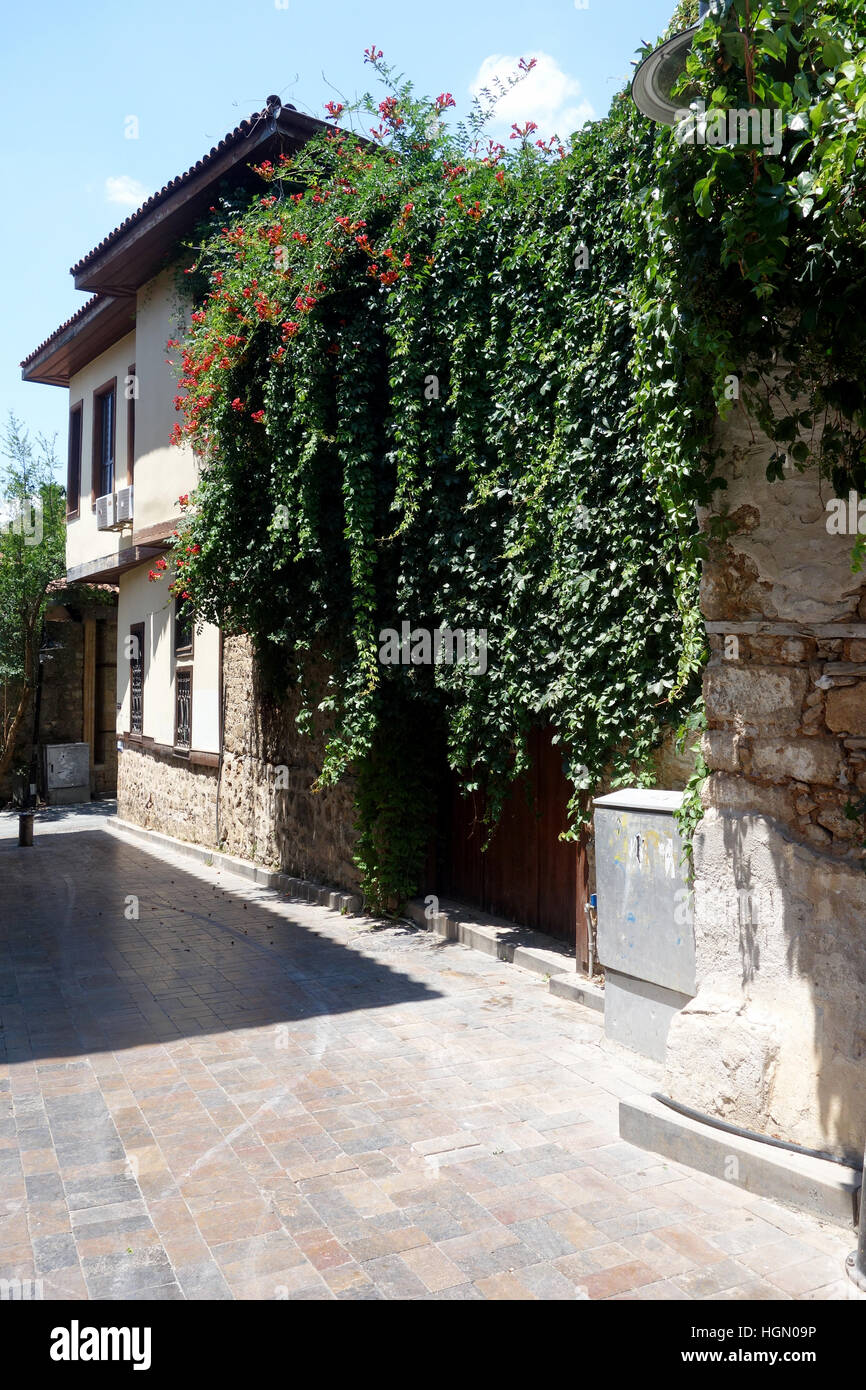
x=162, y=471
x=144, y=602
x=83, y=541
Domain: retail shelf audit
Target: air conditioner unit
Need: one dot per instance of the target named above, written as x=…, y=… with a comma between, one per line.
x=105, y=512
x=123, y=505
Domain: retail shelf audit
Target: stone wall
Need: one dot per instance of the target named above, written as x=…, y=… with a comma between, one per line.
x=168, y=794
x=268, y=809
x=259, y=804
x=776, y=1037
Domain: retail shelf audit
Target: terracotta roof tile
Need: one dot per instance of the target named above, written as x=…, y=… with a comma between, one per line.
x=79, y=313
x=233, y=137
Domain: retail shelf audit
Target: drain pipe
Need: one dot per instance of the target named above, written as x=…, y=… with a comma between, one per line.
x=855, y=1265
x=591, y=912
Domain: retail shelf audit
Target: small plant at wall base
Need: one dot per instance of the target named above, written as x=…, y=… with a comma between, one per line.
x=473, y=384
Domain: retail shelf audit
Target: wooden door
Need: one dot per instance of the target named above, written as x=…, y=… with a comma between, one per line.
x=527, y=874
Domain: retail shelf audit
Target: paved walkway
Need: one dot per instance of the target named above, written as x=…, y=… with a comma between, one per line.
x=232, y=1096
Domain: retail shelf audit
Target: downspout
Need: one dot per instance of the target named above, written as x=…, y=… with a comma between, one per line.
x=221, y=736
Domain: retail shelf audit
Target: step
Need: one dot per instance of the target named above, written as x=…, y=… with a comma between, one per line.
x=815, y=1185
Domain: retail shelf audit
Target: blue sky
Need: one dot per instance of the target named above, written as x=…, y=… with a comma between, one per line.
x=189, y=71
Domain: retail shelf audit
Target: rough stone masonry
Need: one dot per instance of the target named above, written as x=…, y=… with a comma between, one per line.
x=775, y=1038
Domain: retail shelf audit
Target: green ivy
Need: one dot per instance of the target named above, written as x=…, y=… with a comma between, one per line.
x=436, y=379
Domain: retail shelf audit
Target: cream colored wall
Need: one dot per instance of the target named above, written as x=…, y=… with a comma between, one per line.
x=162, y=471
x=83, y=541
x=144, y=602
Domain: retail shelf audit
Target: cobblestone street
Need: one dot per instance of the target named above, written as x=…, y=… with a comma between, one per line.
x=207, y=1092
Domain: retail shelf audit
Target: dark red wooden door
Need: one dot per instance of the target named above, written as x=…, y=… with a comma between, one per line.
x=527, y=874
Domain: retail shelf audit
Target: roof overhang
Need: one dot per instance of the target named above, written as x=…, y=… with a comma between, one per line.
x=108, y=568
x=147, y=241
x=96, y=327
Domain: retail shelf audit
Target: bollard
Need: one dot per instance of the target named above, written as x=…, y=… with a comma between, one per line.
x=25, y=828
x=856, y=1263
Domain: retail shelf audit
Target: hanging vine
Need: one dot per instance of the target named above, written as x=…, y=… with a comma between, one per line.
x=437, y=379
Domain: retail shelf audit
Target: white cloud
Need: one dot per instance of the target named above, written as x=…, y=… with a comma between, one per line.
x=548, y=96
x=128, y=192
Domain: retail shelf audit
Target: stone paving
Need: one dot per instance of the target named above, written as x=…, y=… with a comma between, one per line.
x=207, y=1092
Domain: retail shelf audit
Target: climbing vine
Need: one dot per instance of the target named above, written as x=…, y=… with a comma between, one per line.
x=436, y=379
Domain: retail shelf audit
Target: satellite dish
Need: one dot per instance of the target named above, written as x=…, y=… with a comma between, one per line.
x=659, y=73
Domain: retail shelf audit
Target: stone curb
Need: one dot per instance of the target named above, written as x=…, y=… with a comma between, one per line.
x=302, y=889
x=520, y=946
x=579, y=990
x=826, y=1190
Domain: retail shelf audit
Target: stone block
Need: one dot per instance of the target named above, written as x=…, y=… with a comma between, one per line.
x=846, y=709
x=805, y=759
x=770, y=695
x=720, y=750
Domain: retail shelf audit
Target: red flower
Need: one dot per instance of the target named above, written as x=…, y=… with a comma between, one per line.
x=444, y=101
x=334, y=109
x=258, y=416
x=238, y=405
x=388, y=112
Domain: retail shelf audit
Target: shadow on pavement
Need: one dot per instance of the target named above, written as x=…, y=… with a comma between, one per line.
x=79, y=974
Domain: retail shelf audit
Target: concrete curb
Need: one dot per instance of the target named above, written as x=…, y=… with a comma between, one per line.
x=302, y=889
x=826, y=1190
x=520, y=946
x=578, y=990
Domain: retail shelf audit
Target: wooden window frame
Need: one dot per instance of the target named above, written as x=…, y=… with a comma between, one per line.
x=96, y=451
x=137, y=630
x=130, y=432
x=183, y=750
x=182, y=653
x=73, y=466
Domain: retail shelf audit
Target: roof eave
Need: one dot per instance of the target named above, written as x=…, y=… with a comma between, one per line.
x=137, y=250
x=90, y=332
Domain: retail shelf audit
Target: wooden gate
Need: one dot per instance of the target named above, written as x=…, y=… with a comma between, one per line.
x=527, y=874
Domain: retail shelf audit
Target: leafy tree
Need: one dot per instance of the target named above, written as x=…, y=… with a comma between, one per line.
x=32, y=555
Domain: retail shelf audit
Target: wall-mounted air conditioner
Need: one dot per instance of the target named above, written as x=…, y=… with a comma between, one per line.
x=123, y=505
x=105, y=512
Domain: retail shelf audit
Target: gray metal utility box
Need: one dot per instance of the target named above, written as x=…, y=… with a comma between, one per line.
x=646, y=937
x=67, y=773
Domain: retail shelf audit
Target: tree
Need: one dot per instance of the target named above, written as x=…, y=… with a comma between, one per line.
x=32, y=555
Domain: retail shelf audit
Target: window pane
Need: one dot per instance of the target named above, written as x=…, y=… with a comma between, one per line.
x=106, y=441
x=73, y=478
x=184, y=709
x=136, y=680
x=183, y=627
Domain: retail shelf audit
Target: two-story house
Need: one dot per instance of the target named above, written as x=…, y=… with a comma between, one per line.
x=124, y=482
x=200, y=755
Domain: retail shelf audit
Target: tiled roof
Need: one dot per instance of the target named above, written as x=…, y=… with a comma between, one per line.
x=240, y=132
x=79, y=313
